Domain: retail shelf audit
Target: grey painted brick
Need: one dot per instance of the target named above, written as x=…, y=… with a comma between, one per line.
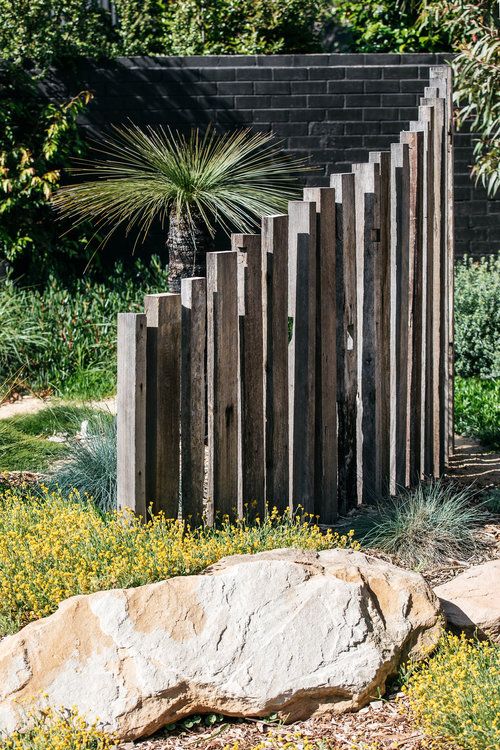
x=363, y=73
x=235, y=87
x=345, y=114
x=381, y=58
x=345, y=87
x=252, y=102
x=363, y=127
x=308, y=87
x=398, y=100
x=325, y=100
x=382, y=87
x=390, y=127
x=273, y=87
x=383, y=114
x=253, y=74
x=288, y=129
x=342, y=58
x=401, y=71
x=217, y=74
x=289, y=101
x=327, y=74
x=327, y=128
x=362, y=100
x=412, y=86
x=309, y=115
x=408, y=113
x=373, y=142
x=290, y=74
x=274, y=115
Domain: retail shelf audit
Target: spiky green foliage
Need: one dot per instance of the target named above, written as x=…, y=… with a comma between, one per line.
x=90, y=465
x=474, y=32
x=427, y=525
x=231, y=179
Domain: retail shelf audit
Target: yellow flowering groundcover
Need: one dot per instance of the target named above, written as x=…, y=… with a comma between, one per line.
x=58, y=730
x=52, y=548
x=456, y=694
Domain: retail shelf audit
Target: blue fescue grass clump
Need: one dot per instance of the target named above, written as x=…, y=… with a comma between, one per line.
x=427, y=525
x=90, y=463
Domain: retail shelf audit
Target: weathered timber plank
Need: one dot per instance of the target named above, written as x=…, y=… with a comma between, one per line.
x=347, y=378
x=437, y=74
x=193, y=397
x=275, y=247
x=252, y=371
x=439, y=356
x=163, y=315
x=414, y=139
x=426, y=114
x=382, y=318
x=302, y=350
x=367, y=233
x=223, y=374
x=399, y=311
x=131, y=412
x=326, y=362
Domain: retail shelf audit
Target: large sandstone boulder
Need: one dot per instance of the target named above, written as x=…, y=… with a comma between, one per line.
x=285, y=631
x=471, y=601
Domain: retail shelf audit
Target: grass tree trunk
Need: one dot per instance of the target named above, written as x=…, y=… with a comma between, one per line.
x=188, y=244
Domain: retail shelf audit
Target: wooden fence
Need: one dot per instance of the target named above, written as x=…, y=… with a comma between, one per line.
x=314, y=364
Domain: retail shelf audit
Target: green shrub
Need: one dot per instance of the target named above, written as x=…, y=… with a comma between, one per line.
x=455, y=696
x=477, y=409
x=208, y=27
x=78, y=325
x=37, y=140
x=90, y=464
x=424, y=526
x=477, y=317
x=383, y=26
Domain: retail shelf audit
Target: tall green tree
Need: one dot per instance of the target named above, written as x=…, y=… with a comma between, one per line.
x=474, y=30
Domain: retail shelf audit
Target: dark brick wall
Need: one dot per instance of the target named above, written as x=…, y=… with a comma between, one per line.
x=333, y=108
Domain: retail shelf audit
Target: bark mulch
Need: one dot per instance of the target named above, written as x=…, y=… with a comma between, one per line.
x=383, y=725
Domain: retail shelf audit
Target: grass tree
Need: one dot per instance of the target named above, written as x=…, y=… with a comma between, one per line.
x=192, y=184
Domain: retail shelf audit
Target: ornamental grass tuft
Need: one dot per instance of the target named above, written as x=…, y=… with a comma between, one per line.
x=53, y=547
x=61, y=729
x=455, y=696
x=427, y=525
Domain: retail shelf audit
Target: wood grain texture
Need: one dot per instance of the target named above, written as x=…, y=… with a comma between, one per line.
x=367, y=238
x=443, y=76
x=325, y=472
x=414, y=139
x=382, y=294
x=302, y=350
x=252, y=293
x=275, y=247
x=193, y=397
x=163, y=315
x=131, y=412
x=347, y=341
x=223, y=372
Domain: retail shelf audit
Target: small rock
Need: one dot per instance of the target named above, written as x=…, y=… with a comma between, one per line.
x=471, y=600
